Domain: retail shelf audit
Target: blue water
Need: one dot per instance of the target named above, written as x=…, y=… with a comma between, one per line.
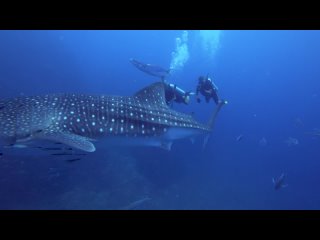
x=270, y=79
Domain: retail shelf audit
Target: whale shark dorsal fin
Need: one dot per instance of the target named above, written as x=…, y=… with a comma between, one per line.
x=153, y=94
x=69, y=139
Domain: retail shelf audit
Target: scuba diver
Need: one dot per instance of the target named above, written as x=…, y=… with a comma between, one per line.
x=208, y=89
x=172, y=91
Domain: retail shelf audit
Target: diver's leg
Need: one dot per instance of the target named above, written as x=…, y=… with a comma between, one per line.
x=215, y=97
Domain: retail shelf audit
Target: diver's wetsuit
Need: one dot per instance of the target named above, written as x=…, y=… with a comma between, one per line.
x=207, y=89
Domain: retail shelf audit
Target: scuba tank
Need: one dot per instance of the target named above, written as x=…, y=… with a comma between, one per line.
x=180, y=95
x=214, y=85
x=178, y=91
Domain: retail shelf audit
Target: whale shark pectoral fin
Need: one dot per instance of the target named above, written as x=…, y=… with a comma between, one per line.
x=69, y=139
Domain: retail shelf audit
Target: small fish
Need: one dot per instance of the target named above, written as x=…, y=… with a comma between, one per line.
x=263, y=142
x=279, y=183
x=134, y=205
x=315, y=132
x=291, y=141
x=35, y=147
x=52, y=148
x=61, y=154
x=73, y=160
x=239, y=137
x=17, y=146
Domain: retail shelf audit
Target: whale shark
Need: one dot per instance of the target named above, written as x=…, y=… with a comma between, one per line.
x=79, y=120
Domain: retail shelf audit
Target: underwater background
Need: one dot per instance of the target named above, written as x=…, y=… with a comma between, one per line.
x=269, y=128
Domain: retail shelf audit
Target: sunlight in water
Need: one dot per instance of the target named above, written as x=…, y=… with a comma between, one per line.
x=181, y=54
x=210, y=40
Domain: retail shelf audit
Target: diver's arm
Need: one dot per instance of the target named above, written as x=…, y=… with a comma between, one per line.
x=197, y=90
x=197, y=93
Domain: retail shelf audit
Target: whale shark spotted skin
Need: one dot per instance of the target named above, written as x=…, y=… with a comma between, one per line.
x=78, y=120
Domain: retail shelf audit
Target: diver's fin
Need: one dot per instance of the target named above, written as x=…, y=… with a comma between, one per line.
x=212, y=121
x=166, y=145
x=215, y=114
x=69, y=139
x=189, y=93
